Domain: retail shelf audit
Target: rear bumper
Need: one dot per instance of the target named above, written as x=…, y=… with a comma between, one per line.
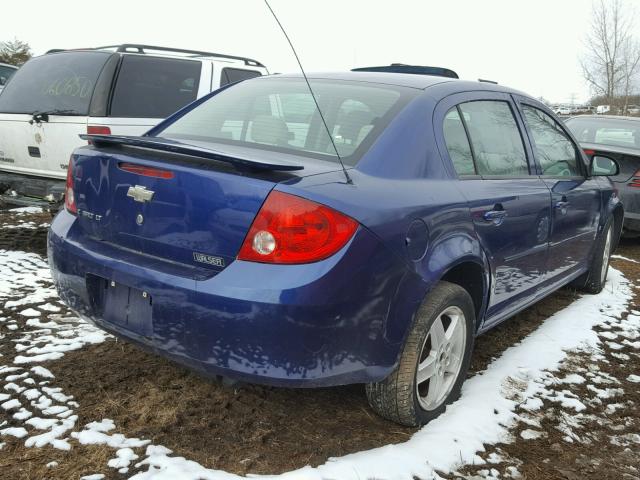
x=321, y=324
x=24, y=190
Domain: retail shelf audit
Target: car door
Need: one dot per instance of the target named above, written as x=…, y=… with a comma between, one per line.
x=509, y=204
x=575, y=195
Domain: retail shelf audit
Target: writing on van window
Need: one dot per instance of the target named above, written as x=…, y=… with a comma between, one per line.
x=71, y=86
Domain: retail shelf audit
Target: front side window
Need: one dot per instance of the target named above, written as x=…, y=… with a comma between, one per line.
x=154, y=87
x=555, y=151
x=457, y=142
x=279, y=114
x=495, y=138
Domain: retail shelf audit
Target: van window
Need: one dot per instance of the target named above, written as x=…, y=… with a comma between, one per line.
x=495, y=137
x=231, y=75
x=154, y=87
x=62, y=81
x=5, y=74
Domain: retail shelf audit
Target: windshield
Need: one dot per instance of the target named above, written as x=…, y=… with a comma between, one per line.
x=61, y=81
x=279, y=114
x=606, y=131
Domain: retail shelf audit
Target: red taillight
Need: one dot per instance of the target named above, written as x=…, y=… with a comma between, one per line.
x=146, y=171
x=98, y=130
x=290, y=229
x=69, y=196
x=635, y=180
x=589, y=152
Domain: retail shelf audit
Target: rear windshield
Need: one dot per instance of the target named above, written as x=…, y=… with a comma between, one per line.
x=606, y=131
x=279, y=114
x=57, y=82
x=154, y=87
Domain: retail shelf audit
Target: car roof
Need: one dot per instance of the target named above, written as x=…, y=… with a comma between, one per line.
x=409, y=80
x=165, y=52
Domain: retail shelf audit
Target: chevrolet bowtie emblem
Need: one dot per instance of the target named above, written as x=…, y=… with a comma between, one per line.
x=140, y=194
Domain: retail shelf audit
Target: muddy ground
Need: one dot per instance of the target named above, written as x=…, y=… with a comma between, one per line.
x=247, y=428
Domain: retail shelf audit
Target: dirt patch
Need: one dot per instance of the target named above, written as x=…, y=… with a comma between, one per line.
x=237, y=428
x=24, y=231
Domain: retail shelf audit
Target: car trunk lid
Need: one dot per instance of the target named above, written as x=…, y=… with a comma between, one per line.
x=191, y=209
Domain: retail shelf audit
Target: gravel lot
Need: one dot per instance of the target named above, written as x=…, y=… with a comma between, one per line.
x=62, y=379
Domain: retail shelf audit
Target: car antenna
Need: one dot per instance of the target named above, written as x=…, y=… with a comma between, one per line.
x=346, y=174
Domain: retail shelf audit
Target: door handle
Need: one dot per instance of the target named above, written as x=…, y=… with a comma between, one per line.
x=495, y=216
x=562, y=205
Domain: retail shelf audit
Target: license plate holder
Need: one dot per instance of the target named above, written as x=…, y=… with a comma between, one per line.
x=127, y=307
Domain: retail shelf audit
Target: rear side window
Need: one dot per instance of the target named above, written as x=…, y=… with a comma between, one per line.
x=556, y=153
x=61, y=82
x=232, y=75
x=458, y=143
x=154, y=87
x=495, y=138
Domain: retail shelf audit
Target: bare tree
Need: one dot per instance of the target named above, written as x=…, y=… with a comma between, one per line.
x=14, y=52
x=630, y=70
x=612, y=57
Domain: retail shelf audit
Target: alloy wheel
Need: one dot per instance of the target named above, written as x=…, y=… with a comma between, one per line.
x=605, y=256
x=441, y=358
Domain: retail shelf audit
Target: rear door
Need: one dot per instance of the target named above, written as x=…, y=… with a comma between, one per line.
x=148, y=89
x=44, y=108
x=576, y=197
x=508, y=203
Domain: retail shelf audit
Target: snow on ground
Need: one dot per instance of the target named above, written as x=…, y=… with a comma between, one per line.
x=18, y=218
x=26, y=210
x=44, y=415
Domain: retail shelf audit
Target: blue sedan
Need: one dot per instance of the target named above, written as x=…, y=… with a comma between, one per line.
x=230, y=239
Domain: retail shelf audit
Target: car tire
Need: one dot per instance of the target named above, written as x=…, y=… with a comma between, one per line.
x=594, y=279
x=438, y=348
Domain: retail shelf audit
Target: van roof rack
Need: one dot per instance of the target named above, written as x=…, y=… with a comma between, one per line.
x=415, y=69
x=140, y=48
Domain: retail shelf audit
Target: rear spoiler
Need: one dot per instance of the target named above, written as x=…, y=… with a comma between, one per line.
x=165, y=145
x=414, y=69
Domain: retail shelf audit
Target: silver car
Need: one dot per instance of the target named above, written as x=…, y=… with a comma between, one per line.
x=619, y=138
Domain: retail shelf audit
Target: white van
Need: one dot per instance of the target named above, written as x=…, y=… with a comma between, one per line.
x=120, y=90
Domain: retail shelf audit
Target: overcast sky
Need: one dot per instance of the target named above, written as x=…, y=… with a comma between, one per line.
x=532, y=46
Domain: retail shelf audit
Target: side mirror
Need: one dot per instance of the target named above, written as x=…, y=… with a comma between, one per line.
x=3, y=81
x=602, y=166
